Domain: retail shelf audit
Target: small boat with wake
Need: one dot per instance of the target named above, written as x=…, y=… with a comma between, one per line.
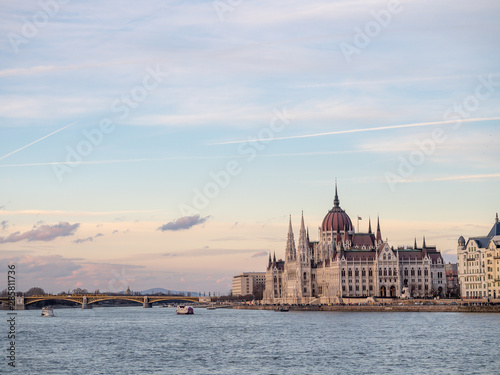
x=184, y=310
x=47, y=311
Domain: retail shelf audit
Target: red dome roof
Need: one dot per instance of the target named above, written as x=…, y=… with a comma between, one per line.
x=336, y=219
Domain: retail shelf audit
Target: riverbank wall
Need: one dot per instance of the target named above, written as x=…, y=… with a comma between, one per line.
x=386, y=308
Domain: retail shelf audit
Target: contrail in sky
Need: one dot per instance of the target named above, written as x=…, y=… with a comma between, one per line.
x=38, y=140
x=360, y=130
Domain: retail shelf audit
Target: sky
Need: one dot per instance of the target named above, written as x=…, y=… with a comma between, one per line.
x=166, y=144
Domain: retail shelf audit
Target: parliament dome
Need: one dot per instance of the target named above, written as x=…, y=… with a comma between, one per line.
x=336, y=219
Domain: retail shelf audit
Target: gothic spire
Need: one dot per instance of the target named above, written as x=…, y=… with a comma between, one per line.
x=379, y=234
x=415, y=245
x=336, y=200
x=369, y=226
x=302, y=247
x=423, y=245
x=290, y=252
x=270, y=262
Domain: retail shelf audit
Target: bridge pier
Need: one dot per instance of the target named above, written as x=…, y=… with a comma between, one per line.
x=146, y=304
x=20, y=304
x=85, y=304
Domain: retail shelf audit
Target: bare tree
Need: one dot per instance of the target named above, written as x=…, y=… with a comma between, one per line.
x=35, y=291
x=80, y=291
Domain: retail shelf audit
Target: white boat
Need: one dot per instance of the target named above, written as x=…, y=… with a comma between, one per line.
x=184, y=310
x=47, y=311
x=211, y=307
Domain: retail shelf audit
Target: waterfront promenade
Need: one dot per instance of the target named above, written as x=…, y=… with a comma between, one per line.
x=398, y=305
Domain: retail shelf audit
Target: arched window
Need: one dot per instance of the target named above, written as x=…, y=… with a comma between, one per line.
x=363, y=272
x=356, y=273
x=370, y=273
x=426, y=272
x=343, y=272
x=384, y=257
x=419, y=272
x=349, y=272
x=385, y=271
x=412, y=272
x=380, y=271
x=395, y=272
x=390, y=272
x=406, y=271
x=305, y=276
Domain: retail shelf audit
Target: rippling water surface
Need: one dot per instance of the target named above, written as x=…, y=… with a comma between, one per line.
x=133, y=340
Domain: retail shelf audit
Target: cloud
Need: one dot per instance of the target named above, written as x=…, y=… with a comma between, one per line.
x=59, y=273
x=43, y=233
x=81, y=240
x=211, y=252
x=115, y=231
x=88, y=239
x=3, y=224
x=260, y=254
x=182, y=223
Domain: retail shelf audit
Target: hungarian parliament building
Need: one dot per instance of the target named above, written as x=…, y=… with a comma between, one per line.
x=344, y=263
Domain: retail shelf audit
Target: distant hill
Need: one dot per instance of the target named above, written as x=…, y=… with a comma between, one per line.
x=167, y=291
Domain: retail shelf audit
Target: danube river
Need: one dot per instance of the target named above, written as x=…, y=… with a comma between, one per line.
x=133, y=340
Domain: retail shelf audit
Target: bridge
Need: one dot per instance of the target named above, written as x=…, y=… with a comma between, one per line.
x=86, y=300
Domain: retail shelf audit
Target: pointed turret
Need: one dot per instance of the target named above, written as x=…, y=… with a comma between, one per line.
x=346, y=238
x=274, y=259
x=290, y=252
x=423, y=244
x=495, y=230
x=270, y=263
x=379, y=234
x=302, y=246
x=415, y=244
x=369, y=226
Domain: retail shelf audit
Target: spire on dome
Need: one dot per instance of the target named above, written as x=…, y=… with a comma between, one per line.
x=336, y=200
x=423, y=245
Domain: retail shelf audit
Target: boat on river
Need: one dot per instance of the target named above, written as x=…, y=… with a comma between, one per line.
x=185, y=310
x=47, y=311
x=282, y=309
